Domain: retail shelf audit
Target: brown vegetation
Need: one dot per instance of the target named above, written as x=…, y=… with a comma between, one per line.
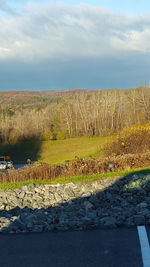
x=81, y=167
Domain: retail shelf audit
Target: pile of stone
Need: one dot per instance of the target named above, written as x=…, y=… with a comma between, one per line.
x=106, y=203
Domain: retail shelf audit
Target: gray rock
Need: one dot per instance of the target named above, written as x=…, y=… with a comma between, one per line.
x=88, y=205
x=58, y=198
x=22, y=194
x=37, y=208
x=108, y=222
x=142, y=205
x=135, y=177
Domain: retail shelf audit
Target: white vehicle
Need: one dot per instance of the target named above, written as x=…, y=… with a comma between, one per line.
x=3, y=165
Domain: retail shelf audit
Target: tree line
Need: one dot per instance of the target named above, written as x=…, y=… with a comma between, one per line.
x=97, y=113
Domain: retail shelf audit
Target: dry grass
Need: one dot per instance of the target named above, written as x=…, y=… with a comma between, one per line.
x=45, y=171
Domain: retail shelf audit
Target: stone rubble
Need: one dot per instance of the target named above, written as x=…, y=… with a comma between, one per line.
x=106, y=203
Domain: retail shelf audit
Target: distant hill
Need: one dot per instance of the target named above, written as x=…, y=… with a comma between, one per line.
x=15, y=100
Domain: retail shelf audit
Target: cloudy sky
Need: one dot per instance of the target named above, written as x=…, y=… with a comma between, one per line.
x=93, y=44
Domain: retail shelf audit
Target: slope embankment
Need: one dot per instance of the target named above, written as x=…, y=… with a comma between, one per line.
x=106, y=203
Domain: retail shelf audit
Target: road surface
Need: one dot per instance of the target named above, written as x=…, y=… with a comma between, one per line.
x=97, y=248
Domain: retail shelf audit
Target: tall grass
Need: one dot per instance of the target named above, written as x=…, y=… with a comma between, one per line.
x=45, y=171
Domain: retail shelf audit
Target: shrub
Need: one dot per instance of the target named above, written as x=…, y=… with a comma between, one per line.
x=130, y=140
x=62, y=135
x=46, y=136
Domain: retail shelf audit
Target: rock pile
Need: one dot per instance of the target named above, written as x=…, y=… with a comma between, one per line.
x=107, y=203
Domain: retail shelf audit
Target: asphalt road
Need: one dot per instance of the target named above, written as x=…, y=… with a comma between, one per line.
x=97, y=248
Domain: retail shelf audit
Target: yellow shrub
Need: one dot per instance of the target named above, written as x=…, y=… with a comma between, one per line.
x=131, y=140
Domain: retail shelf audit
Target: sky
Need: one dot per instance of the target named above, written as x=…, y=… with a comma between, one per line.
x=59, y=45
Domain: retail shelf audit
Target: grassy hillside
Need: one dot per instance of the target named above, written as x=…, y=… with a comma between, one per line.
x=55, y=151
x=61, y=150
x=81, y=179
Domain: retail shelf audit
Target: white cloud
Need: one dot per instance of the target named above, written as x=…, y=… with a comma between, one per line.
x=58, y=31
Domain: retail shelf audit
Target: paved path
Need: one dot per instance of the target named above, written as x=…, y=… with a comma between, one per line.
x=98, y=248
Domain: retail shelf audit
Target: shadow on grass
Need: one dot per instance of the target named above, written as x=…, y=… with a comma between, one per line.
x=23, y=149
x=118, y=200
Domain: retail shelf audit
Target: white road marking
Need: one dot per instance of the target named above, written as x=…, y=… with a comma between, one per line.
x=144, y=243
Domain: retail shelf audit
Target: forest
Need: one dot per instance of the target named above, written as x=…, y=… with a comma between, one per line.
x=69, y=114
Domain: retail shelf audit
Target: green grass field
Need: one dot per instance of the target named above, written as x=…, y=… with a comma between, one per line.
x=60, y=150
x=55, y=151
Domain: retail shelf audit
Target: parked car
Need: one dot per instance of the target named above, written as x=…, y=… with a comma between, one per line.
x=3, y=165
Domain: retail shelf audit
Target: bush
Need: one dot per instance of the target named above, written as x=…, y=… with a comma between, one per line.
x=46, y=136
x=62, y=135
x=131, y=140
